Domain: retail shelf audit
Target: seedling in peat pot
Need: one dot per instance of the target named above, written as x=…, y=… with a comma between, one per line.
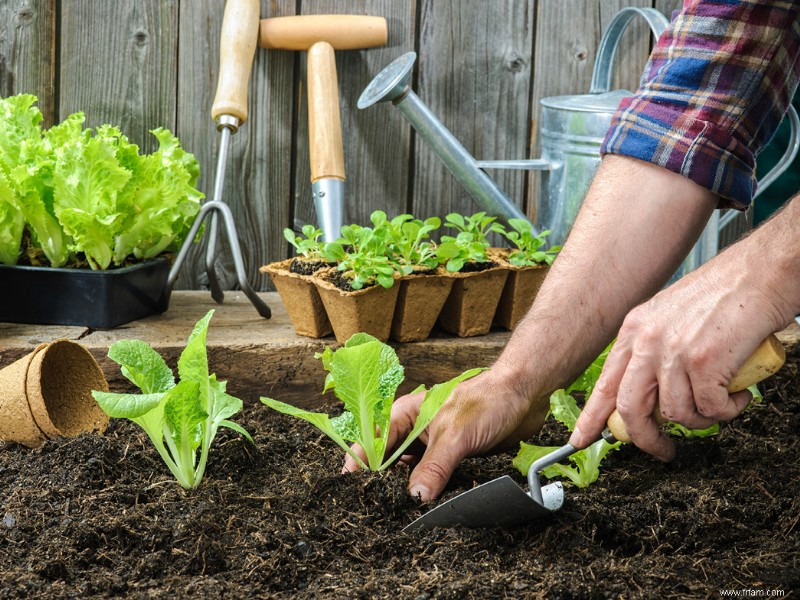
x=178, y=418
x=310, y=245
x=527, y=252
x=364, y=374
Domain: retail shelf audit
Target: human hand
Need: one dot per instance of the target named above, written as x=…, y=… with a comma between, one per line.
x=676, y=354
x=484, y=413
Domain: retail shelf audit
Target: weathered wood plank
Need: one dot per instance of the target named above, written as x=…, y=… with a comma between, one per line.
x=474, y=72
x=257, y=356
x=28, y=53
x=258, y=171
x=118, y=64
x=376, y=140
x=568, y=33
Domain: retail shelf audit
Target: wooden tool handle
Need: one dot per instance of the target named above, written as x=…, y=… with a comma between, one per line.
x=343, y=32
x=763, y=362
x=324, y=120
x=237, y=48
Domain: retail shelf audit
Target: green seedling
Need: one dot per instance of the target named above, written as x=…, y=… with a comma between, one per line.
x=364, y=375
x=407, y=243
x=181, y=418
x=362, y=254
x=528, y=250
x=310, y=245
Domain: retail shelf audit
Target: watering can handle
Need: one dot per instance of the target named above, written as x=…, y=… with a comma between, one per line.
x=607, y=51
x=776, y=171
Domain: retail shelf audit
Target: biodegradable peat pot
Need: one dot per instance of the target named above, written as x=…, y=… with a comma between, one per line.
x=48, y=394
x=472, y=303
x=99, y=299
x=419, y=303
x=519, y=292
x=368, y=310
x=301, y=299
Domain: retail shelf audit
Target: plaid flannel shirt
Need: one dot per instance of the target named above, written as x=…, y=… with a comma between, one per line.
x=713, y=93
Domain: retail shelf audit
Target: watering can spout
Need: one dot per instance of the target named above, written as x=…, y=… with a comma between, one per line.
x=392, y=84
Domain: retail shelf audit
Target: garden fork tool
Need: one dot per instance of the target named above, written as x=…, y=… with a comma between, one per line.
x=502, y=503
x=237, y=48
x=320, y=35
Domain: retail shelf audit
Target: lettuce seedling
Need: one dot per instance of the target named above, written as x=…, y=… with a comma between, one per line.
x=363, y=255
x=181, y=418
x=364, y=374
x=528, y=251
x=309, y=245
x=585, y=467
x=407, y=245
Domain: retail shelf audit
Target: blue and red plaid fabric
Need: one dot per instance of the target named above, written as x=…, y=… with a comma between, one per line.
x=713, y=93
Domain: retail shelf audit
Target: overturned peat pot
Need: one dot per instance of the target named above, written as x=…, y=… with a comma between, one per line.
x=101, y=516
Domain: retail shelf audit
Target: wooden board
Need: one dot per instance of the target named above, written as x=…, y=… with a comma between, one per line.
x=28, y=53
x=117, y=65
x=474, y=72
x=256, y=356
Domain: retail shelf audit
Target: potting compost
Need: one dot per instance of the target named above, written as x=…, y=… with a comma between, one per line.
x=101, y=516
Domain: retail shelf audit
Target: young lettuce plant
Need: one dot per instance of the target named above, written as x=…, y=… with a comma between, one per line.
x=407, y=245
x=471, y=242
x=362, y=254
x=528, y=252
x=310, y=245
x=181, y=418
x=364, y=374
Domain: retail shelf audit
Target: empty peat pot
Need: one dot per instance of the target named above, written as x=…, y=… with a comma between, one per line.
x=48, y=394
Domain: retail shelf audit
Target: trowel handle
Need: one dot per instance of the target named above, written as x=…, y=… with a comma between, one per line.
x=763, y=362
x=237, y=48
x=324, y=121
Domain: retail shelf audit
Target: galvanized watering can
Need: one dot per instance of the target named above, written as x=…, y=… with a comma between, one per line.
x=572, y=130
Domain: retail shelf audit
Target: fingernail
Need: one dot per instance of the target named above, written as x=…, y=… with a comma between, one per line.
x=420, y=491
x=576, y=436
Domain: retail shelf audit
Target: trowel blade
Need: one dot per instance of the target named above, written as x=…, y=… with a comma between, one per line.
x=498, y=503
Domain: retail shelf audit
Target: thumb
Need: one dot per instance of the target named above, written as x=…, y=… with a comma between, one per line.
x=433, y=471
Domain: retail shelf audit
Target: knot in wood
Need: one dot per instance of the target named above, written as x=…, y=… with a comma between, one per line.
x=140, y=37
x=25, y=15
x=581, y=55
x=514, y=62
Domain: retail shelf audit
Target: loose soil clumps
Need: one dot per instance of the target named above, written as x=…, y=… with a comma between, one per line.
x=101, y=516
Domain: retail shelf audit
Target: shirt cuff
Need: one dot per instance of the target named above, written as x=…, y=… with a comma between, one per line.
x=664, y=135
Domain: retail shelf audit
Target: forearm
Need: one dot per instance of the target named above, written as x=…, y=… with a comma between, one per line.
x=637, y=223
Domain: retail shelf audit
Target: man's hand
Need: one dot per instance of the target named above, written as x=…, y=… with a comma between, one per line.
x=677, y=352
x=484, y=413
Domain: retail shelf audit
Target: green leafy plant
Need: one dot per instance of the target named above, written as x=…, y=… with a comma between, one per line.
x=362, y=253
x=585, y=464
x=181, y=418
x=364, y=375
x=310, y=245
x=471, y=242
x=480, y=225
x=70, y=196
x=528, y=252
x=407, y=243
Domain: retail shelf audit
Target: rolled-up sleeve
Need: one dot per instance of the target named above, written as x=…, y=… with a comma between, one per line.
x=713, y=93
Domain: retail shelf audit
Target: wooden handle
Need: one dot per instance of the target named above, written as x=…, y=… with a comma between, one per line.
x=236, y=51
x=763, y=362
x=343, y=32
x=324, y=120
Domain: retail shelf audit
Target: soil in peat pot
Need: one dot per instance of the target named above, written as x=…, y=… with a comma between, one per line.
x=100, y=516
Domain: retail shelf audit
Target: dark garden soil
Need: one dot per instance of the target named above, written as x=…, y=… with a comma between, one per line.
x=303, y=266
x=100, y=516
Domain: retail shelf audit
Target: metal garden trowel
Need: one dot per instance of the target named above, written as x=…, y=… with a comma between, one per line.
x=502, y=503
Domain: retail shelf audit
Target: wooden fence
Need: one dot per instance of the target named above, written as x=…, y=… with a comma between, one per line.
x=483, y=66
